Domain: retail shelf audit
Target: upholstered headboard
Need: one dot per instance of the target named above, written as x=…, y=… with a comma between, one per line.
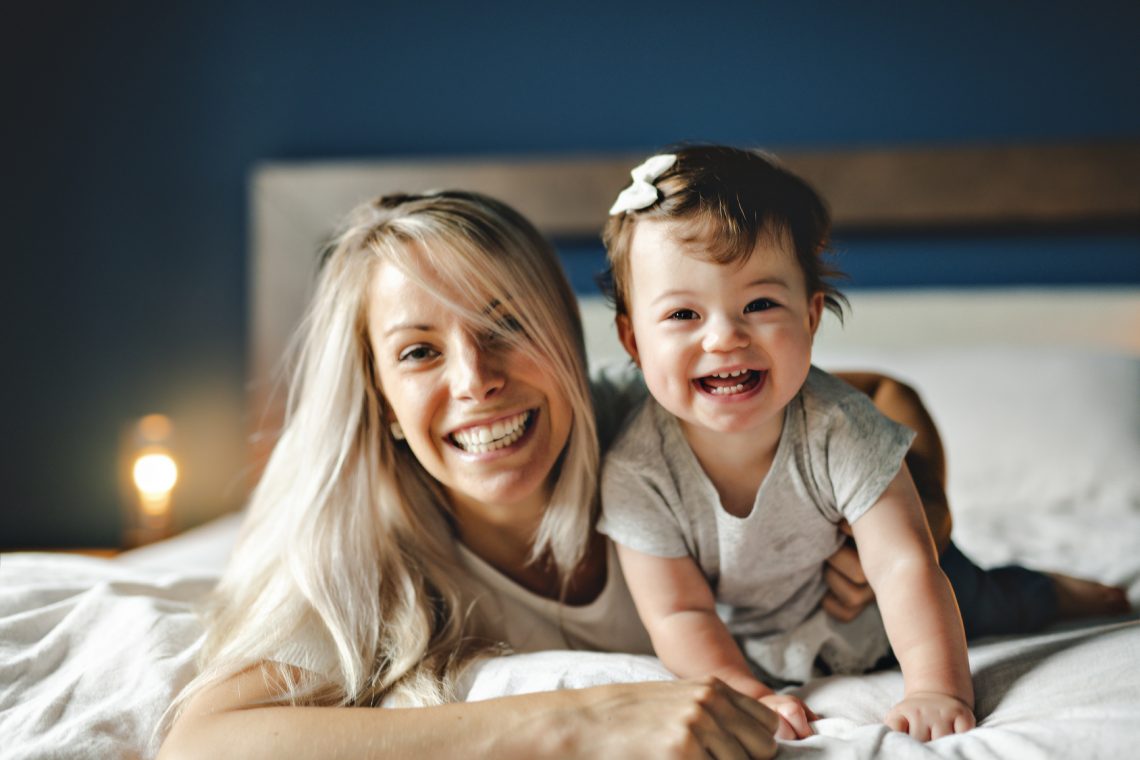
x=296, y=206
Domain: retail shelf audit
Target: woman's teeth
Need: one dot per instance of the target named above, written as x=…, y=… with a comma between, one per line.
x=484, y=438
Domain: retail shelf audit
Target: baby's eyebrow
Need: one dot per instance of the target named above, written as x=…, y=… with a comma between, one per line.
x=671, y=294
x=770, y=281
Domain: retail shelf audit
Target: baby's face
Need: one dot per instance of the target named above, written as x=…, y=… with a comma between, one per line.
x=723, y=347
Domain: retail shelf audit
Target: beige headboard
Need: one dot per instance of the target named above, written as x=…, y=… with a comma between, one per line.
x=296, y=206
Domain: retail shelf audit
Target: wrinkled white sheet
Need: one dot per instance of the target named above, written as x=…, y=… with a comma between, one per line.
x=1043, y=451
x=92, y=651
x=91, y=654
x=1064, y=694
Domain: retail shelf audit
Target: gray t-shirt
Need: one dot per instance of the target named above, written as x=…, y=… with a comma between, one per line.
x=835, y=457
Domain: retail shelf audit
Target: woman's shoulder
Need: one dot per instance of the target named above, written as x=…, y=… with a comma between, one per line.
x=617, y=389
x=826, y=397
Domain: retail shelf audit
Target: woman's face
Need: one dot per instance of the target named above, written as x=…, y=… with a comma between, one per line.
x=483, y=418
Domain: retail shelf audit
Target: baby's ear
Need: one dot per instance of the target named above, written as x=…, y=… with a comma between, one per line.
x=815, y=311
x=627, y=338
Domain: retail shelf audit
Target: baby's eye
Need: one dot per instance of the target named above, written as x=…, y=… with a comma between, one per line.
x=760, y=304
x=681, y=314
x=418, y=353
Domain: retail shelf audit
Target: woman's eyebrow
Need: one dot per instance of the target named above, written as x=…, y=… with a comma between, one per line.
x=496, y=305
x=402, y=326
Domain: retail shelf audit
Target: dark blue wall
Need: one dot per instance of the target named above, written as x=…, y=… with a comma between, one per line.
x=130, y=129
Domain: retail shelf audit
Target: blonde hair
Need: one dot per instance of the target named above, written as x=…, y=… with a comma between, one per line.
x=347, y=535
x=728, y=199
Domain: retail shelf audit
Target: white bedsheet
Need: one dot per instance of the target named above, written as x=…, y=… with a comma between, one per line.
x=1043, y=466
x=92, y=651
x=1072, y=691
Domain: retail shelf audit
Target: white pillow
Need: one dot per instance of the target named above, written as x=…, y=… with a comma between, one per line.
x=1026, y=427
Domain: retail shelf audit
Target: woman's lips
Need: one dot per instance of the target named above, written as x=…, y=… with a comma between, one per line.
x=501, y=434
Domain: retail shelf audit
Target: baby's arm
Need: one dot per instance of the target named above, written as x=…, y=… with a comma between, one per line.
x=677, y=606
x=919, y=612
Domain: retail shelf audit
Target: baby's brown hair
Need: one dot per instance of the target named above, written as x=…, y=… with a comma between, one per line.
x=727, y=198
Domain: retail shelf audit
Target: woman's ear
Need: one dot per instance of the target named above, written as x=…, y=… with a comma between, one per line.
x=815, y=311
x=627, y=338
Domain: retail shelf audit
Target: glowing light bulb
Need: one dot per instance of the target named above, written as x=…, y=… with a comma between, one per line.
x=155, y=474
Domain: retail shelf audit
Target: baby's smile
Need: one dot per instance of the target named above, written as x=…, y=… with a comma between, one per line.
x=731, y=383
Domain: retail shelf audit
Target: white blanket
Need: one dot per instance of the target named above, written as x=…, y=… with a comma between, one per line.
x=1043, y=452
x=92, y=652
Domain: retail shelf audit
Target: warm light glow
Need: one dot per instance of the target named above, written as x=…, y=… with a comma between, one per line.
x=155, y=475
x=155, y=427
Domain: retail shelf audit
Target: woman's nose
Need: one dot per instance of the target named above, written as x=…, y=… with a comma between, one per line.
x=724, y=334
x=476, y=374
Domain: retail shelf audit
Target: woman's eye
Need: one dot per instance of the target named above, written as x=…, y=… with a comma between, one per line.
x=760, y=304
x=683, y=314
x=508, y=323
x=504, y=324
x=418, y=353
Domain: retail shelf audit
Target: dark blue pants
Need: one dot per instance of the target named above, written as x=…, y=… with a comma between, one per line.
x=1001, y=600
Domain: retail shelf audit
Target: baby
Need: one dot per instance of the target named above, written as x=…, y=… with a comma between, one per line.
x=730, y=484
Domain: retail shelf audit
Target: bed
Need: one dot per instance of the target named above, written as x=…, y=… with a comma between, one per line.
x=1037, y=392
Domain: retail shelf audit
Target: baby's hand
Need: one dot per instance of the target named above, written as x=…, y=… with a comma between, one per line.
x=794, y=716
x=929, y=715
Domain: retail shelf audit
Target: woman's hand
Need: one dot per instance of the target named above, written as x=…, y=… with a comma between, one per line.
x=697, y=718
x=848, y=592
x=667, y=719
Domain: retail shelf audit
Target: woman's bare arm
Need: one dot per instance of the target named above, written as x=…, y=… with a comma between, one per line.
x=926, y=459
x=848, y=591
x=679, y=719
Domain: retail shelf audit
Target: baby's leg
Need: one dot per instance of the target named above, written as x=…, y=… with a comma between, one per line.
x=1014, y=599
x=1010, y=599
x=1077, y=598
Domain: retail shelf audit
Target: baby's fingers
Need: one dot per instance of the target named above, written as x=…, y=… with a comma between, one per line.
x=898, y=722
x=964, y=722
x=786, y=731
x=794, y=716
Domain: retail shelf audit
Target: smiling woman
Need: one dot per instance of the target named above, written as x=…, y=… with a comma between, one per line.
x=432, y=499
x=486, y=440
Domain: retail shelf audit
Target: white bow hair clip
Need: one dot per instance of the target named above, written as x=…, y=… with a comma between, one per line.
x=643, y=193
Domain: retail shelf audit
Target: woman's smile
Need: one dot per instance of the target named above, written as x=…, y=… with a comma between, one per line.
x=479, y=412
x=501, y=436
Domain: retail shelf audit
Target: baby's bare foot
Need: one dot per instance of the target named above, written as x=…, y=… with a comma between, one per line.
x=1077, y=597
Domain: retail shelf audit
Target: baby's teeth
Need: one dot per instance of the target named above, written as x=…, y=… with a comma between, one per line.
x=726, y=391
